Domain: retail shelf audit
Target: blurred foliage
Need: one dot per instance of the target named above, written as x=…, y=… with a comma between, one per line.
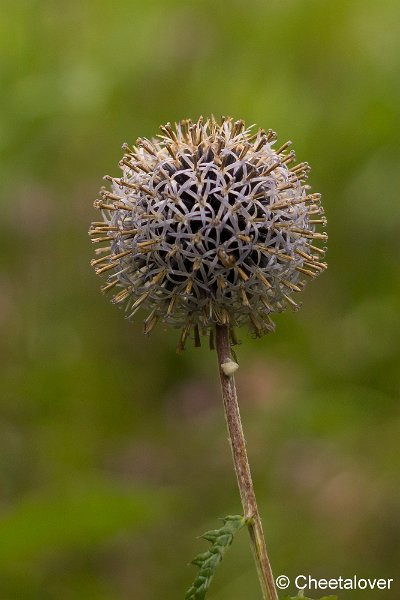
x=303, y=598
x=97, y=423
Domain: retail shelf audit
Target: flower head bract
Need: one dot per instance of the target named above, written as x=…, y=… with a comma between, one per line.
x=210, y=223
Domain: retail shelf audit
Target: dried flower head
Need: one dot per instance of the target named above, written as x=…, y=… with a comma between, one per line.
x=209, y=223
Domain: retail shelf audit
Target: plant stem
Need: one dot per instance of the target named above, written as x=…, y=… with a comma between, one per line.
x=242, y=468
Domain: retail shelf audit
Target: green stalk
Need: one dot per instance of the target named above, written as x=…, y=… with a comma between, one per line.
x=242, y=468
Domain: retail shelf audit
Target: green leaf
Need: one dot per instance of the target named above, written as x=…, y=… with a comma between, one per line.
x=208, y=561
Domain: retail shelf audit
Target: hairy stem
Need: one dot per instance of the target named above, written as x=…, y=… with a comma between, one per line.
x=242, y=468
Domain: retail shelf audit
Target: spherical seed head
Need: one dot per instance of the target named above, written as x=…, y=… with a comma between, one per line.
x=210, y=223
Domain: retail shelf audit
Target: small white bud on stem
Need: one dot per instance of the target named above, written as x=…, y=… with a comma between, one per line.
x=229, y=367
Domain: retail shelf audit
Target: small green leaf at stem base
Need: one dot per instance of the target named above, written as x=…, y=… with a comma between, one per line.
x=208, y=561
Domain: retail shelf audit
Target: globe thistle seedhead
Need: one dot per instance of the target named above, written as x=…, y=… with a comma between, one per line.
x=209, y=223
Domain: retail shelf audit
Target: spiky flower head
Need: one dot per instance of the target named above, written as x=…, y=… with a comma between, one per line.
x=209, y=223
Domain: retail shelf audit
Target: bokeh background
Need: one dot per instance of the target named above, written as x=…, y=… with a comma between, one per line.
x=113, y=450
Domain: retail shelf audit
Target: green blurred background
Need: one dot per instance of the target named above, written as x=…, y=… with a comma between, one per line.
x=113, y=450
